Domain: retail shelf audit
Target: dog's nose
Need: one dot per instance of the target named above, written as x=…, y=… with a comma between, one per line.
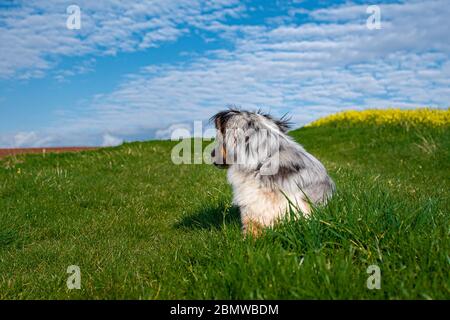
x=213, y=155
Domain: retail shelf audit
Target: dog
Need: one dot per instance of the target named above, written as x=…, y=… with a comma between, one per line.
x=269, y=172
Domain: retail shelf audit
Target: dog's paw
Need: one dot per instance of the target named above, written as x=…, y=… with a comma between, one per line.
x=251, y=228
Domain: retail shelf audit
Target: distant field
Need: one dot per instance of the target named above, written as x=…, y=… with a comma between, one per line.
x=140, y=227
x=16, y=151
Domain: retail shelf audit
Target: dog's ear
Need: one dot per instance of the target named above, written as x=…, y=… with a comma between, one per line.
x=284, y=123
x=221, y=118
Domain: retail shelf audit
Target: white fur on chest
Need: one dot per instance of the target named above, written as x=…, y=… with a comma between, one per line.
x=261, y=203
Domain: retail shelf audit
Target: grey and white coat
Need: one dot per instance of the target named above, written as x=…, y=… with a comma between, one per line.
x=267, y=169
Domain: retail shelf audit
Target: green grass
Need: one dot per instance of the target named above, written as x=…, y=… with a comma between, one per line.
x=141, y=227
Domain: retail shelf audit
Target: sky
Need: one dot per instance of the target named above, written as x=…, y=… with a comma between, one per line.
x=138, y=70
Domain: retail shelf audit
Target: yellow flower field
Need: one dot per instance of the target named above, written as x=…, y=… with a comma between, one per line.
x=420, y=116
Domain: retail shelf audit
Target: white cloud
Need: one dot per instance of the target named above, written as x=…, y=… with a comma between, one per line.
x=182, y=130
x=332, y=63
x=111, y=141
x=33, y=34
x=26, y=139
x=197, y=129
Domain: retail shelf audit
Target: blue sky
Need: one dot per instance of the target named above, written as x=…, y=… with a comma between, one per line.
x=138, y=70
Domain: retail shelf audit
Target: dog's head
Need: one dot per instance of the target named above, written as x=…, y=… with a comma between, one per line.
x=246, y=138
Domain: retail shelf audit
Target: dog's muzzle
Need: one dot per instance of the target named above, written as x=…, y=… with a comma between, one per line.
x=218, y=165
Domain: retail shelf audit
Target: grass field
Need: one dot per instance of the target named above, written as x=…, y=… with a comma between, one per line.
x=140, y=227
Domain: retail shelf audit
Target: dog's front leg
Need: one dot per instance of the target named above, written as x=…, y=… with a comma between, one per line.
x=251, y=227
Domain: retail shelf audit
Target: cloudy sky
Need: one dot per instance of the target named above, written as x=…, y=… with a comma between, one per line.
x=137, y=70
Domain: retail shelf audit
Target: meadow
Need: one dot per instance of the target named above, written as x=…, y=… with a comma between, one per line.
x=140, y=227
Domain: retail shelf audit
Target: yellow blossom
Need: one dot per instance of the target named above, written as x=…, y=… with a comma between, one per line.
x=420, y=116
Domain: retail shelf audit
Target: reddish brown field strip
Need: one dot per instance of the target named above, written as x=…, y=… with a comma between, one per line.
x=10, y=152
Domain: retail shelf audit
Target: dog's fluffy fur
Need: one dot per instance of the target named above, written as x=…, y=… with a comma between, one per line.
x=251, y=145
